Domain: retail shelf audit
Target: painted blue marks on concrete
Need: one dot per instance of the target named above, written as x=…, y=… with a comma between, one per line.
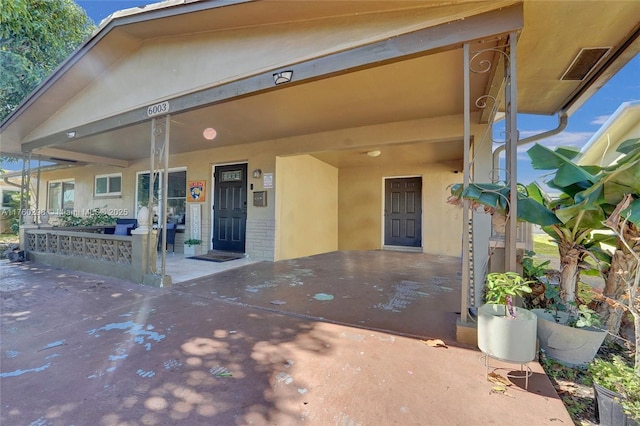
x=53, y=344
x=284, y=377
x=95, y=376
x=52, y=356
x=39, y=422
x=139, y=332
x=323, y=296
x=21, y=372
x=172, y=364
x=117, y=357
x=404, y=293
x=256, y=288
x=11, y=353
x=145, y=374
x=219, y=371
x=128, y=314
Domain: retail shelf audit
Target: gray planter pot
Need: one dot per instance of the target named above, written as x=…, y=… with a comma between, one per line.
x=571, y=346
x=608, y=409
x=505, y=338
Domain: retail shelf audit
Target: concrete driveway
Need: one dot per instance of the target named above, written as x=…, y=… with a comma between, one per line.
x=80, y=349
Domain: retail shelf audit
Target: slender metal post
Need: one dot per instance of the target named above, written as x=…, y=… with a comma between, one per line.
x=464, y=308
x=165, y=187
x=23, y=177
x=511, y=157
x=151, y=266
x=38, y=192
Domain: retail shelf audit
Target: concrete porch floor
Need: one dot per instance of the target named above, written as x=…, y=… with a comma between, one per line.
x=89, y=350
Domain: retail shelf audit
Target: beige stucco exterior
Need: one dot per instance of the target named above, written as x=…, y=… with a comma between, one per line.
x=314, y=207
x=362, y=207
x=155, y=69
x=365, y=76
x=306, y=207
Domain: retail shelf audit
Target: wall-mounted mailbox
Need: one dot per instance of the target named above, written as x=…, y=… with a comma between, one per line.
x=260, y=198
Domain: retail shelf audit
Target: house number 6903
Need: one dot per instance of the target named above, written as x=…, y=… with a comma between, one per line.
x=158, y=109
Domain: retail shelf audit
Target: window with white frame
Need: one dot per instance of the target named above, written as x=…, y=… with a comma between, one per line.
x=61, y=196
x=176, y=192
x=108, y=185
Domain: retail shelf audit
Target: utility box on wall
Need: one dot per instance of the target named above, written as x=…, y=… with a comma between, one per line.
x=260, y=198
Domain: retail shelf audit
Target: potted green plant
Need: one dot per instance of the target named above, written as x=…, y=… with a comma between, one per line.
x=189, y=246
x=572, y=339
x=572, y=216
x=568, y=332
x=617, y=392
x=586, y=195
x=505, y=331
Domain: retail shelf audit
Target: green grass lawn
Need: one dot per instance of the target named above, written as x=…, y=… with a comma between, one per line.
x=543, y=245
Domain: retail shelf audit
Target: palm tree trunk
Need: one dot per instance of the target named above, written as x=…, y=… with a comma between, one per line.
x=569, y=260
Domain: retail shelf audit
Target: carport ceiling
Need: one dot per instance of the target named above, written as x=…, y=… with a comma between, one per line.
x=409, y=154
x=423, y=87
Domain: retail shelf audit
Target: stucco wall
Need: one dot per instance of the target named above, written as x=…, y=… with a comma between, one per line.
x=154, y=68
x=306, y=207
x=199, y=166
x=361, y=197
x=321, y=208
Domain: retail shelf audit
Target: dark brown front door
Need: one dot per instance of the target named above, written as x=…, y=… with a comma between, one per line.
x=230, y=208
x=403, y=212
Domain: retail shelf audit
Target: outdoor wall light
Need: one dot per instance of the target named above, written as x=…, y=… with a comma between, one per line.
x=282, y=77
x=374, y=153
x=71, y=134
x=257, y=173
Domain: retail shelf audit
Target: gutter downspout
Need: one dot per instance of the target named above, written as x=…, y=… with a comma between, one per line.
x=17, y=185
x=563, y=120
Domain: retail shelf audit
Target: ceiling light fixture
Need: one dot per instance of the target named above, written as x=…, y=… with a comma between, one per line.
x=282, y=77
x=374, y=153
x=210, y=133
x=71, y=134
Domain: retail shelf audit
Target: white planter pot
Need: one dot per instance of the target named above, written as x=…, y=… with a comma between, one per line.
x=189, y=250
x=571, y=346
x=504, y=338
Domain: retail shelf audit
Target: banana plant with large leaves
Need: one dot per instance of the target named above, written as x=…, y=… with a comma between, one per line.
x=586, y=196
x=593, y=187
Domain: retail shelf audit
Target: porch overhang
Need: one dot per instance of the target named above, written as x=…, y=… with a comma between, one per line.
x=311, y=103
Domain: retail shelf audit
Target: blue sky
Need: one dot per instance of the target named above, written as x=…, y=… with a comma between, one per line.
x=623, y=87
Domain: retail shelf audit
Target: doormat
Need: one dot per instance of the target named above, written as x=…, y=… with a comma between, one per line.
x=216, y=257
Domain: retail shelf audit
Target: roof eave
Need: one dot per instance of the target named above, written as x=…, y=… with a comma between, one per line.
x=113, y=21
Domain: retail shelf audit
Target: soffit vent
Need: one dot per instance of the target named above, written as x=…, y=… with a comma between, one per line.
x=584, y=63
x=62, y=160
